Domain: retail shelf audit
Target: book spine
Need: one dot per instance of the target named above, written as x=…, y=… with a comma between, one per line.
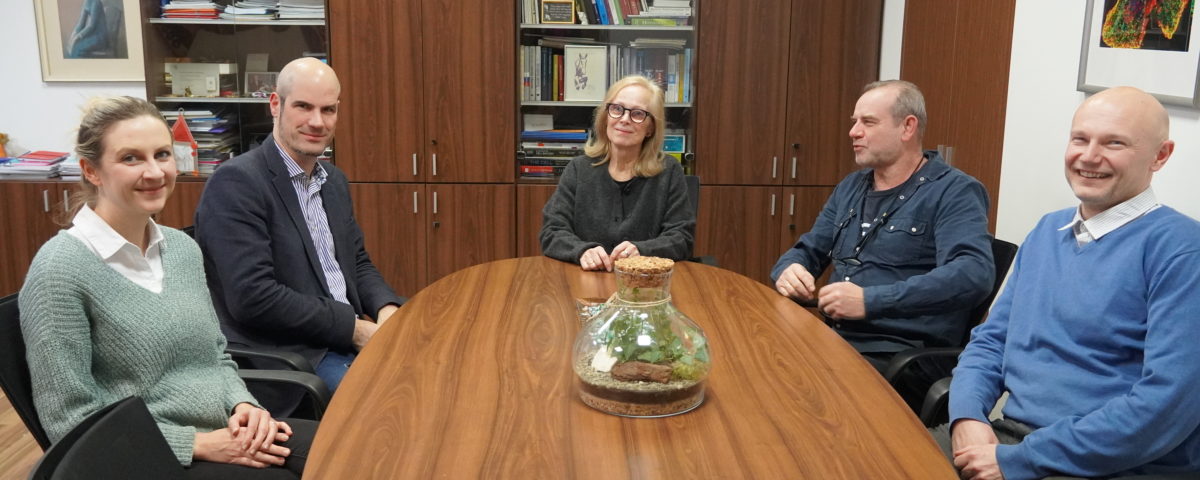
x=687, y=75
x=617, y=18
x=600, y=4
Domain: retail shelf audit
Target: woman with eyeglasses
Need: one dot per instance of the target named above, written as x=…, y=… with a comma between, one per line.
x=116, y=305
x=623, y=197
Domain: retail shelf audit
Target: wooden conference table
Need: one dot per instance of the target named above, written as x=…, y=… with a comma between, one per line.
x=472, y=379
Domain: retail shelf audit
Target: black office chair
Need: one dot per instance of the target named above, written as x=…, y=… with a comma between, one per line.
x=14, y=372
x=1003, y=254
x=282, y=370
x=119, y=441
x=693, y=186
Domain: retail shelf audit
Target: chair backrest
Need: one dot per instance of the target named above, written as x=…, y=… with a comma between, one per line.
x=1003, y=253
x=14, y=369
x=118, y=441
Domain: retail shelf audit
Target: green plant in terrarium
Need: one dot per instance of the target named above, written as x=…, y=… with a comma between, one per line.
x=648, y=337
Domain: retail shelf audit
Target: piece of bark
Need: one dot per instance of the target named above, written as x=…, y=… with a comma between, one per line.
x=635, y=371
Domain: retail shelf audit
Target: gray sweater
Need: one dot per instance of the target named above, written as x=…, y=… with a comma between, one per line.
x=93, y=337
x=589, y=208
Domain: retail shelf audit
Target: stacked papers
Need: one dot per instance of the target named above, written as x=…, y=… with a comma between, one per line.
x=191, y=9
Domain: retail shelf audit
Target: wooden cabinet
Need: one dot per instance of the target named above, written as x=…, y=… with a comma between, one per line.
x=748, y=228
x=777, y=89
x=180, y=210
x=530, y=201
x=959, y=54
x=417, y=233
x=424, y=95
x=30, y=215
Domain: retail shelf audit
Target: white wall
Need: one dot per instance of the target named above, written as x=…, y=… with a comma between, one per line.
x=38, y=115
x=891, y=39
x=1041, y=101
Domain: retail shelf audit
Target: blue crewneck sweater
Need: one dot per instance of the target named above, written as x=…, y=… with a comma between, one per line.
x=1097, y=346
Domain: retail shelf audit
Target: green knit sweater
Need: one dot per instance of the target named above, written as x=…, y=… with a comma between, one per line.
x=93, y=337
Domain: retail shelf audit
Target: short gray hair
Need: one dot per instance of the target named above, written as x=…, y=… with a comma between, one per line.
x=909, y=101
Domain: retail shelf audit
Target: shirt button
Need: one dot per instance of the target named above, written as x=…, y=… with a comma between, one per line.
x=921, y=179
x=902, y=197
x=891, y=227
x=847, y=279
x=914, y=229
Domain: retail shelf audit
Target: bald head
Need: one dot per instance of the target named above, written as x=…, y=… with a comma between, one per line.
x=307, y=70
x=1141, y=111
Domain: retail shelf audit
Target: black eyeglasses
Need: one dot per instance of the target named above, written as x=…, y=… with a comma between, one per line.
x=635, y=115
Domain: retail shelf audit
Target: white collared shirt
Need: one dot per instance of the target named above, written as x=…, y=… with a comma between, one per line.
x=1103, y=223
x=126, y=258
x=308, y=192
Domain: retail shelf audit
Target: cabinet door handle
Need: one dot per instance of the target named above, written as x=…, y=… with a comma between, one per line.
x=66, y=200
x=792, y=205
x=414, y=164
x=435, y=169
x=793, y=168
x=435, y=203
x=46, y=201
x=774, y=166
x=414, y=202
x=772, y=204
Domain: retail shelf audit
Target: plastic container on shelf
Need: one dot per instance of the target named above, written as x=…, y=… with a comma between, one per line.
x=640, y=356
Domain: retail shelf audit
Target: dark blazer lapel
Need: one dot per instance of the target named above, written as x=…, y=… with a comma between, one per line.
x=287, y=195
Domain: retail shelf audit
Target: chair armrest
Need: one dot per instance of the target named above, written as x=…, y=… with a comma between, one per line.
x=935, y=401
x=313, y=386
x=903, y=359
x=706, y=260
x=293, y=360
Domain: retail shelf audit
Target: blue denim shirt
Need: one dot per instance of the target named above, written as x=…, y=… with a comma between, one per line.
x=927, y=266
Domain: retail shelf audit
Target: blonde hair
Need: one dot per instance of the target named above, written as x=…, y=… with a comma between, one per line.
x=650, y=162
x=99, y=115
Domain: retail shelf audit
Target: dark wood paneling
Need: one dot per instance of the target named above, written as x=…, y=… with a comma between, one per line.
x=29, y=218
x=392, y=218
x=376, y=51
x=959, y=54
x=530, y=200
x=180, y=209
x=740, y=227
x=801, y=206
x=469, y=225
x=470, y=67
x=741, y=90
x=834, y=52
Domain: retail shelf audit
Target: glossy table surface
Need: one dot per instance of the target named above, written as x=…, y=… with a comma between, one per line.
x=472, y=379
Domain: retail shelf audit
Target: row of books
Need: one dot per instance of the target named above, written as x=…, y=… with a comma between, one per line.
x=215, y=132
x=544, y=155
x=563, y=74
x=33, y=165
x=614, y=12
x=245, y=10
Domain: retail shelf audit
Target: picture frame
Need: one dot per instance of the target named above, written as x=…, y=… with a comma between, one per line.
x=1162, y=58
x=558, y=11
x=79, y=41
x=586, y=71
x=260, y=84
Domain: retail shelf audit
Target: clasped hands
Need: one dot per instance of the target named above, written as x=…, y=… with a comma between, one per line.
x=249, y=440
x=596, y=258
x=974, y=445
x=839, y=300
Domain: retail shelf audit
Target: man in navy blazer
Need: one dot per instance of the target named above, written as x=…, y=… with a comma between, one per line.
x=284, y=256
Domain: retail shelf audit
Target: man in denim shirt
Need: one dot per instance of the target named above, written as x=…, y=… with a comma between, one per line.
x=907, y=237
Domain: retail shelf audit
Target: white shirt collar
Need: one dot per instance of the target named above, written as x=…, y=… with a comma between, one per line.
x=101, y=236
x=1109, y=220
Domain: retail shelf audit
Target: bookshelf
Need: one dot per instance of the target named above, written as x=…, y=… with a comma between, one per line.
x=212, y=70
x=556, y=62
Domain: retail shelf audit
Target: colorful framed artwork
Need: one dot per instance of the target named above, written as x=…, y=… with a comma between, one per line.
x=89, y=40
x=1149, y=45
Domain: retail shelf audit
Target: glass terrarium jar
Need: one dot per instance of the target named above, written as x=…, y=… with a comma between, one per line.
x=640, y=356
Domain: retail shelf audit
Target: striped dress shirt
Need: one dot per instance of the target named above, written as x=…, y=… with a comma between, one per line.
x=1103, y=223
x=308, y=191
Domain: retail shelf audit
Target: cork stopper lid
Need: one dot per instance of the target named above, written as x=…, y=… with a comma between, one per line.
x=645, y=265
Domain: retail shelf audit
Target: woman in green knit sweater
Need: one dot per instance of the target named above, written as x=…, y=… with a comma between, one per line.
x=117, y=306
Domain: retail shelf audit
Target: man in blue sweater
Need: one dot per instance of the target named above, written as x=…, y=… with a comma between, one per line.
x=1094, y=336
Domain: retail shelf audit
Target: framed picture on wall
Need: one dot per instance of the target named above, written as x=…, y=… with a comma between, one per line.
x=1156, y=49
x=89, y=40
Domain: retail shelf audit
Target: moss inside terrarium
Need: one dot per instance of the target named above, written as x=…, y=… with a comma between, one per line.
x=649, y=337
